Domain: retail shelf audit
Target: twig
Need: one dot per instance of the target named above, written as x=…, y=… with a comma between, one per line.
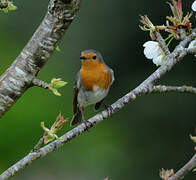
x=38, y=145
x=144, y=88
x=40, y=83
x=162, y=43
x=185, y=169
x=182, y=89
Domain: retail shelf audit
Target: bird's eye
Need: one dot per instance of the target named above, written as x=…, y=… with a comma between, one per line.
x=94, y=57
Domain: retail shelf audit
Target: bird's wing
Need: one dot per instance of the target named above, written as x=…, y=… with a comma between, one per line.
x=111, y=75
x=76, y=111
x=75, y=94
x=98, y=104
x=75, y=99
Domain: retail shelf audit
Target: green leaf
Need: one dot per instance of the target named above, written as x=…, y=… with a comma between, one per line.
x=60, y=139
x=57, y=84
x=57, y=48
x=11, y=6
x=55, y=91
x=49, y=138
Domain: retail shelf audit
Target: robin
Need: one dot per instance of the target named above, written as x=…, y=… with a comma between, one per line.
x=92, y=84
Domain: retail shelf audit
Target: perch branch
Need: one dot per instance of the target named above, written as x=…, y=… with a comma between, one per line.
x=144, y=88
x=20, y=75
x=185, y=169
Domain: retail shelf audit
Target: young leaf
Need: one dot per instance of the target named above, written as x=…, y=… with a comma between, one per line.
x=57, y=48
x=50, y=134
x=56, y=84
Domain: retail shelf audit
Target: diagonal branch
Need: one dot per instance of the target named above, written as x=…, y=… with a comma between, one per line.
x=185, y=169
x=144, y=88
x=182, y=89
x=162, y=43
x=40, y=83
x=19, y=76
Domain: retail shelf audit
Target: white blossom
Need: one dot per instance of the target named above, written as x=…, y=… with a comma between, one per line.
x=194, y=6
x=153, y=51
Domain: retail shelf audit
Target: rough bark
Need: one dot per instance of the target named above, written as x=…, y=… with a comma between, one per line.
x=20, y=75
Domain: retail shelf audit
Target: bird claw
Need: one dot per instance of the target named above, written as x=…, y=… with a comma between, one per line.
x=87, y=124
x=109, y=109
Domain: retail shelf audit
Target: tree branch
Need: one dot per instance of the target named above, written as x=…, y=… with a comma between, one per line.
x=182, y=89
x=19, y=76
x=144, y=88
x=162, y=43
x=185, y=169
x=40, y=83
x=38, y=145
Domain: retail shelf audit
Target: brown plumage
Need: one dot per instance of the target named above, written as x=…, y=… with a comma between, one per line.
x=94, y=73
x=92, y=84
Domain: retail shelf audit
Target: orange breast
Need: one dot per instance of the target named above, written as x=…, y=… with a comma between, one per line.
x=93, y=73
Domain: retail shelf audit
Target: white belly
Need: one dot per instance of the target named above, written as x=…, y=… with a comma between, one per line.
x=86, y=98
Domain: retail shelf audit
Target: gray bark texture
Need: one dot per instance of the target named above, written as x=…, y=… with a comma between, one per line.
x=21, y=74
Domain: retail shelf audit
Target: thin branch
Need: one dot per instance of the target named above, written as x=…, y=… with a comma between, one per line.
x=185, y=169
x=162, y=43
x=144, y=88
x=182, y=89
x=182, y=33
x=38, y=145
x=19, y=76
x=40, y=83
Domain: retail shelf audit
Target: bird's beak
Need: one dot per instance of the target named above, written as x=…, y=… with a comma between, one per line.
x=83, y=57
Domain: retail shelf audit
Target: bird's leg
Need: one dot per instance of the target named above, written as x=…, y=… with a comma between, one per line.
x=82, y=113
x=86, y=122
x=83, y=116
x=108, y=108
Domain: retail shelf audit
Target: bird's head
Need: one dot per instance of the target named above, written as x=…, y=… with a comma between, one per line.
x=91, y=56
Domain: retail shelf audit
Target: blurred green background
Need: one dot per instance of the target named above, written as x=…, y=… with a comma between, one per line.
x=145, y=136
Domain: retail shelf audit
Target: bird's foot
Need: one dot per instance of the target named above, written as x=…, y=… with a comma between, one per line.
x=87, y=124
x=109, y=108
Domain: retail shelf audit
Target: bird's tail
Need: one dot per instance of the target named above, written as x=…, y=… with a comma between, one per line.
x=76, y=118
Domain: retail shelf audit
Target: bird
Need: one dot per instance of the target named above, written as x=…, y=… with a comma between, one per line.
x=92, y=84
